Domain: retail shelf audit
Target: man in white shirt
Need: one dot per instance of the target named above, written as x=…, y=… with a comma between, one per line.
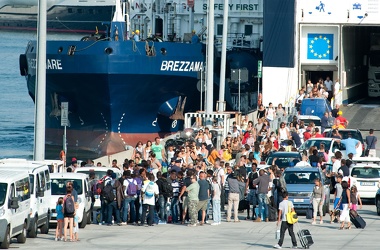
x=219, y=173
x=304, y=162
x=282, y=211
x=329, y=84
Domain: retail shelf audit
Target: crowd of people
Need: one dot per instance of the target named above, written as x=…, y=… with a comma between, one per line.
x=182, y=184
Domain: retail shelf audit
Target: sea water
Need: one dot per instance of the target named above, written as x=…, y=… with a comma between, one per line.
x=16, y=106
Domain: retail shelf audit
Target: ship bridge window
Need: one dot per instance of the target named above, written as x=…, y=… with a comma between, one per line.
x=70, y=10
x=91, y=11
x=248, y=29
x=219, y=29
x=80, y=11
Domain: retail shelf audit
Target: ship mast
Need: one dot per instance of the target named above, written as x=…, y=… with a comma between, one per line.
x=39, y=117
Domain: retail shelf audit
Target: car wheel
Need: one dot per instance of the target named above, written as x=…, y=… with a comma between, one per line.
x=7, y=240
x=45, y=227
x=89, y=217
x=378, y=207
x=21, y=238
x=84, y=220
x=33, y=231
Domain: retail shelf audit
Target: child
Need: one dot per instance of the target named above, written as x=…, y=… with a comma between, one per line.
x=215, y=201
x=59, y=210
x=355, y=198
x=76, y=228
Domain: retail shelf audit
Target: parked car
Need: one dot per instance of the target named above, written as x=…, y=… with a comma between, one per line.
x=355, y=133
x=282, y=159
x=14, y=206
x=366, y=178
x=310, y=118
x=100, y=172
x=315, y=106
x=331, y=146
x=40, y=193
x=300, y=184
x=80, y=183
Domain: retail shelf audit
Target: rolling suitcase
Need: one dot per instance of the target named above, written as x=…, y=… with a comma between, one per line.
x=305, y=237
x=357, y=220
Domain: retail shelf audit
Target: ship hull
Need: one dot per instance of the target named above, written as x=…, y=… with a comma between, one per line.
x=119, y=98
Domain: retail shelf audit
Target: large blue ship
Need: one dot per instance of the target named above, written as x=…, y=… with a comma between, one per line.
x=121, y=91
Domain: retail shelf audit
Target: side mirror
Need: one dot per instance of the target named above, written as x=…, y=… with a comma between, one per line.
x=14, y=203
x=40, y=192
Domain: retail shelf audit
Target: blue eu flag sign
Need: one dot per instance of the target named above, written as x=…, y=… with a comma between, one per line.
x=320, y=46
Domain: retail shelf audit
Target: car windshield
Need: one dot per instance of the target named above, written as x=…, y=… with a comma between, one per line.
x=301, y=177
x=344, y=133
x=3, y=193
x=365, y=172
x=283, y=162
x=310, y=143
x=58, y=186
x=307, y=122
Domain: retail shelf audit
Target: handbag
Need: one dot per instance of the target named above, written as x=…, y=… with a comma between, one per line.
x=291, y=216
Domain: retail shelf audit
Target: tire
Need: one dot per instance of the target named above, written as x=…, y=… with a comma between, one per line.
x=45, y=227
x=34, y=230
x=7, y=241
x=89, y=217
x=378, y=207
x=84, y=220
x=21, y=238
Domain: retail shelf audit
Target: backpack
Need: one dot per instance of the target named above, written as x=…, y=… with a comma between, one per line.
x=132, y=188
x=69, y=205
x=107, y=193
x=149, y=191
x=167, y=189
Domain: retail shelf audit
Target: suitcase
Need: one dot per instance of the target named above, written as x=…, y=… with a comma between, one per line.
x=305, y=237
x=357, y=220
x=272, y=213
x=309, y=213
x=243, y=205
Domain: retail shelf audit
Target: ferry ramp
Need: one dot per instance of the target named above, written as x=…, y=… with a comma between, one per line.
x=362, y=116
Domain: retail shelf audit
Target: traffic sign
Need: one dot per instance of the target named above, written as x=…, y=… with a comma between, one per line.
x=64, y=114
x=259, y=68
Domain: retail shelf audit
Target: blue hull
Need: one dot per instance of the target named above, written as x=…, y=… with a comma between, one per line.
x=117, y=95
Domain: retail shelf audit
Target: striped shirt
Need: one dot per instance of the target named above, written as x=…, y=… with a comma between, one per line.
x=176, y=187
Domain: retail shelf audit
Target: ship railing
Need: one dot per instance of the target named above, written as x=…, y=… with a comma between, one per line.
x=237, y=40
x=218, y=121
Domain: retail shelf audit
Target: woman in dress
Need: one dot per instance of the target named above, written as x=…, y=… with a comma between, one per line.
x=148, y=148
x=261, y=112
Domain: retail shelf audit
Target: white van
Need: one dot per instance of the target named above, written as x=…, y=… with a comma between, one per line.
x=14, y=206
x=100, y=172
x=58, y=189
x=40, y=193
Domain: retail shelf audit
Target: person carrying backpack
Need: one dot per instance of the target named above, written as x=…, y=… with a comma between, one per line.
x=149, y=190
x=165, y=192
x=113, y=195
x=68, y=213
x=131, y=189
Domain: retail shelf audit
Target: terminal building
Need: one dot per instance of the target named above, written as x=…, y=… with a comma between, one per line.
x=312, y=39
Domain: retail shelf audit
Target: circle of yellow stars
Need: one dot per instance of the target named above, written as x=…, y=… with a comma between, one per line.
x=320, y=55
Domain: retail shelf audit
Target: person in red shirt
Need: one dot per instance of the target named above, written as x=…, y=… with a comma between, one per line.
x=307, y=134
x=343, y=121
x=316, y=133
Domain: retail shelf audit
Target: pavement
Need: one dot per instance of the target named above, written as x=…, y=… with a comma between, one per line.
x=241, y=235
